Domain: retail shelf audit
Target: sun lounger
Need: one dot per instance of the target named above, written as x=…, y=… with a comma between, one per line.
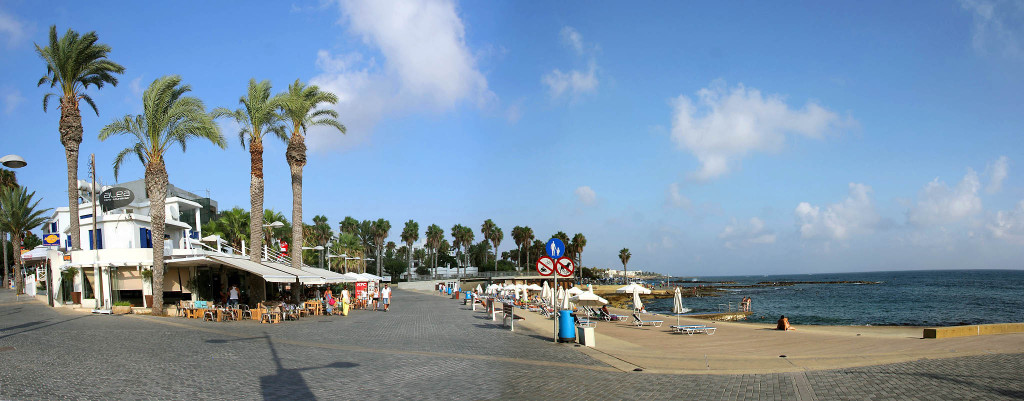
x=694, y=329
x=640, y=322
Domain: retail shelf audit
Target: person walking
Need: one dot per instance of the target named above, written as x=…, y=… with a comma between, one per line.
x=329, y=300
x=385, y=297
x=376, y=298
x=344, y=301
x=233, y=296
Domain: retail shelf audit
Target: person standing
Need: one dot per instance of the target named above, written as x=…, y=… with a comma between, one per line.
x=233, y=294
x=385, y=297
x=329, y=300
x=376, y=298
x=344, y=301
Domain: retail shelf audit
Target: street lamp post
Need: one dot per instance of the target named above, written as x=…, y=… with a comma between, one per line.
x=329, y=256
x=315, y=248
x=266, y=236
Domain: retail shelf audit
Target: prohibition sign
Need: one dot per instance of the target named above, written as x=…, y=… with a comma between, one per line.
x=564, y=267
x=545, y=266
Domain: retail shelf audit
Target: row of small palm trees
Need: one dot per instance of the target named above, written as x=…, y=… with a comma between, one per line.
x=19, y=214
x=170, y=118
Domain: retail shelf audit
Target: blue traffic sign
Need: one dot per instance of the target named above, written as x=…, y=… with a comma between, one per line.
x=555, y=248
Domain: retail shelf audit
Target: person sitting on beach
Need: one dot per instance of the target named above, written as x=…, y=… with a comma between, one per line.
x=784, y=324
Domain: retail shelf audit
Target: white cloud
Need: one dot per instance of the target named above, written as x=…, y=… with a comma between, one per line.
x=575, y=82
x=12, y=98
x=427, y=65
x=939, y=204
x=572, y=37
x=726, y=124
x=998, y=171
x=585, y=195
x=14, y=30
x=136, y=86
x=1009, y=225
x=513, y=113
x=997, y=26
x=676, y=199
x=839, y=221
x=738, y=235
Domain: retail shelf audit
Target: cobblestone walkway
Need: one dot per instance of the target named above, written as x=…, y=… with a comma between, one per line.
x=426, y=347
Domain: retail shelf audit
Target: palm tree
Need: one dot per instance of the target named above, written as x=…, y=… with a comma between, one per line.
x=624, y=256
x=381, y=229
x=443, y=246
x=366, y=236
x=257, y=117
x=527, y=239
x=349, y=225
x=579, y=241
x=300, y=107
x=487, y=229
x=518, y=237
x=168, y=118
x=434, y=236
x=232, y=226
x=349, y=245
x=410, y=234
x=8, y=179
x=319, y=234
x=496, y=237
x=457, y=243
x=74, y=62
x=18, y=215
x=467, y=241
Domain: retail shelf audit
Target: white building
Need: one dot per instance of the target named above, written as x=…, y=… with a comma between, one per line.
x=117, y=251
x=619, y=273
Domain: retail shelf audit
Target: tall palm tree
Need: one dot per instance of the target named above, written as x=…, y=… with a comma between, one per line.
x=444, y=246
x=18, y=215
x=517, y=237
x=257, y=118
x=624, y=256
x=319, y=235
x=8, y=179
x=366, y=236
x=169, y=118
x=496, y=237
x=299, y=106
x=349, y=245
x=467, y=241
x=381, y=230
x=74, y=62
x=487, y=229
x=410, y=234
x=269, y=233
x=457, y=243
x=434, y=236
x=579, y=241
x=527, y=240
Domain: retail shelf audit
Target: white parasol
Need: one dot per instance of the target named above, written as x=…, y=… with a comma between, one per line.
x=545, y=292
x=574, y=291
x=534, y=287
x=677, y=305
x=631, y=288
x=479, y=290
x=588, y=298
x=637, y=305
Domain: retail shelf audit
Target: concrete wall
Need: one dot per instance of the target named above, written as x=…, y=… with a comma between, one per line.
x=975, y=330
x=428, y=285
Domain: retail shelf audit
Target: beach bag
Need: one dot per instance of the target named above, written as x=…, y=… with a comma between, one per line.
x=331, y=302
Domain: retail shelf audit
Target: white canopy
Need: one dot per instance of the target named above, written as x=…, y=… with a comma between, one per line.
x=329, y=276
x=36, y=253
x=588, y=298
x=631, y=288
x=574, y=291
x=354, y=276
x=370, y=277
x=534, y=287
x=305, y=277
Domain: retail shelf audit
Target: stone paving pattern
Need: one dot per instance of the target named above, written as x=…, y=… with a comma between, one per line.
x=426, y=347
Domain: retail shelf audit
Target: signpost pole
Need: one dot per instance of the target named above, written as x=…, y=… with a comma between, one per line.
x=554, y=335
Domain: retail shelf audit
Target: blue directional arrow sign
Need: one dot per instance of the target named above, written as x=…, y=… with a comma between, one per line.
x=555, y=248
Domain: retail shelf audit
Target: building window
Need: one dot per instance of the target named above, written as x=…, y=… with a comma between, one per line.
x=87, y=216
x=99, y=238
x=53, y=227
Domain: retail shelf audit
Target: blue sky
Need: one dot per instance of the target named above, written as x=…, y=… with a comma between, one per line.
x=745, y=138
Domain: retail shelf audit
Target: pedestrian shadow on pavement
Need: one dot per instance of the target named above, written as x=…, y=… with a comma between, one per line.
x=289, y=383
x=972, y=382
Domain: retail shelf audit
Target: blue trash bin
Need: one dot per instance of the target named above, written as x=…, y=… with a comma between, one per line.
x=566, y=327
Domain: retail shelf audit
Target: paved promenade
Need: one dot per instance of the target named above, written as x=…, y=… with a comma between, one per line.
x=427, y=347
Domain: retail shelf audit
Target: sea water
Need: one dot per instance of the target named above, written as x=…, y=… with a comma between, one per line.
x=914, y=298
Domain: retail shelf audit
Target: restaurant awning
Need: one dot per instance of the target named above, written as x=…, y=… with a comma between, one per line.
x=329, y=276
x=268, y=274
x=305, y=277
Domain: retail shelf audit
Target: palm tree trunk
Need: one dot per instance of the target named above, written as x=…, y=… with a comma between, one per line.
x=256, y=202
x=296, y=156
x=3, y=241
x=19, y=281
x=71, y=137
x=408, y=276
x=156, y=188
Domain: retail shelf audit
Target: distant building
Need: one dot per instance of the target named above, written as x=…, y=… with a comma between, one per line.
x=618, y=273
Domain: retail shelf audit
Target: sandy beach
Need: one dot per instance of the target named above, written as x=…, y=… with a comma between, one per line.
x=747, y=348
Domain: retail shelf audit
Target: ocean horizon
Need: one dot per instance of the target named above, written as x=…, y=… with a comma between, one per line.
x=901, y=298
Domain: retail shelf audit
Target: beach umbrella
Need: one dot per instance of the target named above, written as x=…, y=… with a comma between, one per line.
x=590, y=287
x=558, y=297
x=631, y=288
x=534, y=287
x=478, y=289
x=637, y=305
x=677, y=304
x=588, y=298
x=545, y=292
x=574, y=291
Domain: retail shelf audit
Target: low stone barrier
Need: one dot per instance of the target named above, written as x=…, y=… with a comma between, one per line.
x=974, y=330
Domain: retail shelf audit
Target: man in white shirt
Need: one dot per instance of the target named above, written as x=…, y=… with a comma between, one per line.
x=386, y=297
x=233, y=300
